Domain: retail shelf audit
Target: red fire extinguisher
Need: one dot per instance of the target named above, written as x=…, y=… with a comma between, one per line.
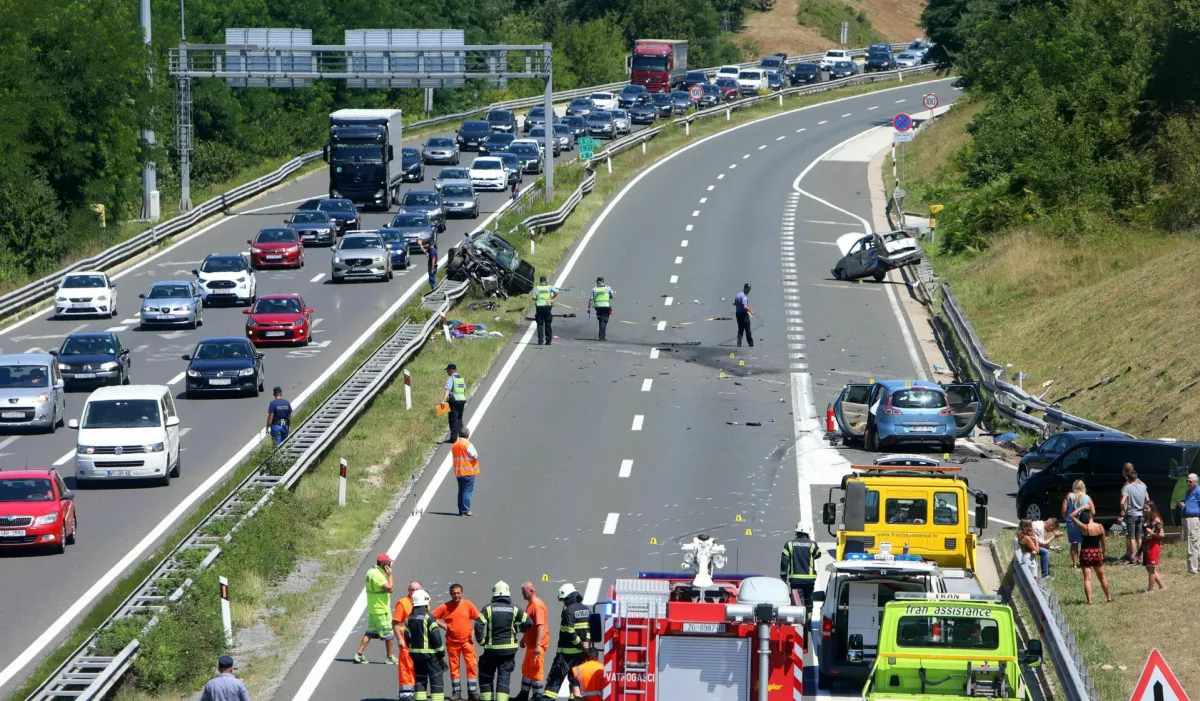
x=830, y=427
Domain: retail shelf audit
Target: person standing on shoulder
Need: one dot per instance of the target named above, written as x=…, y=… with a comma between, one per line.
x=225, y=686
x=601, y=299
x=1190, y=504
x=431, y=264
x=743, y=313
x=457, y=616
x=1091, y=551
x=456, y=397
x=425, y=643
x=543, y=301
x=1133, y=504
x=499, y=625
x=279, y=416
x=466, y=469
x=404, y=607
x=572, y=640
x=1153, y=538
x=536, y=642
x=798, y=565
x=379, y=610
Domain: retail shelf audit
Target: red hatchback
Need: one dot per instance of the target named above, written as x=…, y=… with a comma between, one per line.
x=279, y=319
x=36, y=510
x=276, y=248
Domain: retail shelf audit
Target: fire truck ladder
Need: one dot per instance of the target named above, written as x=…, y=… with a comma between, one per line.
x=640, y=602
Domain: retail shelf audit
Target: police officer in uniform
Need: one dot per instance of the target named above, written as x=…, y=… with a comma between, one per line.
x=279, y=416
x=456, y=397
x=798, y=566
x=601, y=299
x=572, y=639
x=498, y=629
x=427, y=647
x=543, y=300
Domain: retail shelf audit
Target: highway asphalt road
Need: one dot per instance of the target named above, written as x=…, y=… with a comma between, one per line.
x=599, y=459
x=119, y=525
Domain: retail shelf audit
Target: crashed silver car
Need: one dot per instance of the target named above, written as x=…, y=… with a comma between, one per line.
x=492, y=263
x=873, y=255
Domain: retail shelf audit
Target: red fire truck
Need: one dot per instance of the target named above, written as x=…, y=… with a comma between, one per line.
x=659, y=64
x=683, y=637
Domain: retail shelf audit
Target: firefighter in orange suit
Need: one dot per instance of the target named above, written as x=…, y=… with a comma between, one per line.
x=466, y=469
x=457, y=616
x=536, y=642
x=408, y=679
x=589, y=677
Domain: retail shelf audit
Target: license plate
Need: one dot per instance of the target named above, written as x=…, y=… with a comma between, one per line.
x=85, y=376
x=119, y=473
x=217, y=381
x=12, y=533
x=703, y=627
x=274, y=334
x=165, y=317
x=308, y=236
x=223, y=293
x=274, y=257
x=82, y=305
x=358, y=269
x=13, y=415
x=921, y=429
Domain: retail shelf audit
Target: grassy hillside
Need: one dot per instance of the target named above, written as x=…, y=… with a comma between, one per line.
x=780, y=28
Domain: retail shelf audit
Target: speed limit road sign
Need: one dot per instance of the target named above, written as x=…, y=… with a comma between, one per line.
x=696, y=92
x=930, y=101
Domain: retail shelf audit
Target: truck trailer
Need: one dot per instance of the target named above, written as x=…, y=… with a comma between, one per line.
x=363, y=154
x=659, y=64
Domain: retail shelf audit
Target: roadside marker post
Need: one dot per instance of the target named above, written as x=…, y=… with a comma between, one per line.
x=342, y=482
x=532, y=246
x=407, y=390
x=226, y=615
x=446, y=329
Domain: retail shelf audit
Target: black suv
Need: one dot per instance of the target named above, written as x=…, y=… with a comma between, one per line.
x=880, y=58
x=502, y=120
x=472, y=133
x=1162, y=465
x=805, y=73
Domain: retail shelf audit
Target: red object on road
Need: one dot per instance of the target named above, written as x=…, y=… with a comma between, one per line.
x=830, y=426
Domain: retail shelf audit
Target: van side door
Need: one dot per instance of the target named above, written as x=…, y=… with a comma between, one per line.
x=172, y=431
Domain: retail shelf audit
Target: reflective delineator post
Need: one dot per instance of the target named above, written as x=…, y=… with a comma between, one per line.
x=532, y=246
x=609, y=162
x=342, y=481
x=407, y=391
x=728, y=112
x=643, y=147
x=226, y=615
x=781, y=99
x=446, y=329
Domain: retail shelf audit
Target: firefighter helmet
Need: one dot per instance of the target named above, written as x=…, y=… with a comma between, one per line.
x=501, y=589
x=565, y=590
x=420, y=597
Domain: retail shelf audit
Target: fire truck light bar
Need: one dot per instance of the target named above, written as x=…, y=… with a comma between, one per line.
x=906, y=468
x=689, y=576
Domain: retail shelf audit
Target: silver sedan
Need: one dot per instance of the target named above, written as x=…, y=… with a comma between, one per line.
x=172, y=303
x=440, y=149
x=621, y=119
x=362, y=255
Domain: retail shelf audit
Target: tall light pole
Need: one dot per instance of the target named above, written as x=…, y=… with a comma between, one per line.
x=150, y=204
x=183, y=121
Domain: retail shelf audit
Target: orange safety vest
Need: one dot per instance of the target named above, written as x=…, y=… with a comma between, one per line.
x=590, y=676
x=464, y=464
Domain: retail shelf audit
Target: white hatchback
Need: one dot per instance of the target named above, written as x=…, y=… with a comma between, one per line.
x=604, y=101
x=832, y=56
x=127, y=432
x=488, y=173
x=86, y=294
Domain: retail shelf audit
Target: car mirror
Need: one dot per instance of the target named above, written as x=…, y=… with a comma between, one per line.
x=142, y=296
x=308, y=310
x=245, y=311
x=195, y=272
x=249, y=242
x=260, y=356
x=73, y=423
x=829, y=513
x=818, y=596
x=1033, y=653
x=981, y=517
x=124, y=351
x=68, y=495
x=186, y=357
x=172, y=421
x=54, y=352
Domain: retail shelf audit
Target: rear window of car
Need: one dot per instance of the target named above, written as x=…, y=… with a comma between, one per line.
x=919, y=398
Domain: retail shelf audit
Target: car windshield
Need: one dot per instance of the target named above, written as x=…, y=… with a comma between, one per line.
x=410, y=156
x=169, y=292
x=357, y=153
x=420, y=198
x=680, y=95
x=456, y=191
x=599, y=117
x=19, y=376
x=499, y=116
x=661, y=98
x=409, y=220
x=481, y=164
x=440, y=142
x=288, y=305
x=275, y=236
x=537, y=112
x=649, y=63
x=573, y=121
x=919, y=398
x=524, y=149
x=360, y=242
x=771, y=62
x=454, y=174
x=601, y=96
x=476, y=127
x=88, y=345
x=231, y=264
x=222, y=350
x=908, y=54
x=619, y=114
x=630, y=90
x=121, y=413
x=710, y=89
x=509, y=160
x=581, y=102
x=697, y=75
x=391, y=236
x=309, y=217
x=77, y=281
x=33, y=489
x=749, y=75
x=806, y=68
x=342, y=206
x=949, y=631
x=562, y=129
x=726, y=83
x=500, y=139
x=537, y=132
x=498, y=252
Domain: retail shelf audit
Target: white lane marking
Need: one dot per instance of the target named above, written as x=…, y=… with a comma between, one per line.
x=317, y=322
x=177, y=378
x=654, y=354
x=695, y=213
x=703, y=200
x=674, y=279
x=645, y=388
x=626, y=468
x=711, y=188
x=317, y=278
x=35, y=349
x=678, y=260
x=873, y=108
x=780, y=138
x=762, y=147
x=732, y=166
x=350, y=621
x=591, y=592
x=913, y=355
x=131, y=322
x=816, y=461
x=141, y=348
x=689, y=227
x=184, y=431
x=801, y=129
x=847, y=115
x=668, y=301
x=610, y=523
x=116, y=329
x=823, y=121
x=12, y=439
x=899, y=101
x=683, y=243
x=64, y=459
x=720, y=176
x=745, y=157
x=638, y=419
x=661, y=326
x=1001, y=521
x=831, y=223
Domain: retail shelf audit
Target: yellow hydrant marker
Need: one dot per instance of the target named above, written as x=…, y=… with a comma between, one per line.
x=722, y=374
x=741, y=362
x=731, y=355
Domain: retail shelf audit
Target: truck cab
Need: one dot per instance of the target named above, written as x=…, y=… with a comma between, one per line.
x=362, y=145
x=937, y=646
x=918, y=510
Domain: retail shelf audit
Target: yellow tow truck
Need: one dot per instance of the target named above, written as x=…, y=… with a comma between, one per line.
x=934, y=647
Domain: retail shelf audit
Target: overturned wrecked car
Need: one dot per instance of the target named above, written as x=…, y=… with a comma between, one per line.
x=493, y=264
x=873, y=255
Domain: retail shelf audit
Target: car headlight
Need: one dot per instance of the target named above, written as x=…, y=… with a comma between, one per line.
x=85, y=449
x=335, y=194
x=147, y=309
x=43, y=398
x=153, y=447
x=337, y=259
x=64, y=366
x=193, y=373
x=46, y=520
x=110, y=365
x=103, y=296
x=241, y=280
x=379, y=193
x=61, y=299
x=245, y=372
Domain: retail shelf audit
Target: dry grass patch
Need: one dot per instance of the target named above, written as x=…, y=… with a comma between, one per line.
x=778, y=29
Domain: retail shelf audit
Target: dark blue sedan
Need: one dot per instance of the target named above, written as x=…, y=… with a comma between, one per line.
x=1045, y=452
x=224, y=365
x=416, y=228
x=396, y=242
x=90, y=359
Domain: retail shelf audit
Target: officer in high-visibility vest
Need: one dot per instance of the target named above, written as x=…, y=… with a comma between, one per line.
x=427, y=647
x=466, y=469
x=456, y=397
x=601, y=299
x=543, y=301
x=498, y=630
x=572, y=639
x=798, y=565
x=588, y=677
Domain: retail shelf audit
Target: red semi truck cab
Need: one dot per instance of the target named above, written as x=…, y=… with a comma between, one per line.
x=659, y=64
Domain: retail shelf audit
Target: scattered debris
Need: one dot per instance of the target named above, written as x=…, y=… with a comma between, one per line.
x=476, y=306
x=732, y=423
x=754, y=423
x=680, y=343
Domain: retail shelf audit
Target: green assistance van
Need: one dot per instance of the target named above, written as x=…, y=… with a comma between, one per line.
x=934, y=647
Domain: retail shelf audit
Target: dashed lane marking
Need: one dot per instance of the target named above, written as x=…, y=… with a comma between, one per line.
x=847, y=115
x=64, y=459
x=703, y=200
x=689, y=227
x=683, y=243
x=678, y=260
x=654, y=354
x=823, y=121
x=720, y=176
x=801, y=129
x=780, y=138
x=662, y=325
x=638, y=419
x=176, y=379
x=317, y=278
x=762, y=147
x=695, y=213
x=646, y=384
x=668, y=301
x=674, y=279
x=626, y=468
x=711, y=188
x=610, y=523
x=873, y=108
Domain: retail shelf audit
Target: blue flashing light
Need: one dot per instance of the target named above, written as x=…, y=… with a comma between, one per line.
x=883, y=557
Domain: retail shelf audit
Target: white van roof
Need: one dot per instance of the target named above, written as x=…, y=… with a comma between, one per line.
x=117, y=392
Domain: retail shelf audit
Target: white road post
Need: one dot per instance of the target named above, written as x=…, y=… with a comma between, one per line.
x=226, y=615
x=687, y=128
x=643, y=147
x=728, y=112
x=407, y=391
x=446, y=329
x=895, y=179
x=609, y=162
x=532, y=244
x=342, y=482
x=781, y=99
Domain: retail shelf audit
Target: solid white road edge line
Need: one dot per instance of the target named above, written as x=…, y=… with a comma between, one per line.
x=346, y=627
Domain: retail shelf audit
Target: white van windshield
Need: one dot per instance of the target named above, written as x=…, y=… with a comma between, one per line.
x=122, y=413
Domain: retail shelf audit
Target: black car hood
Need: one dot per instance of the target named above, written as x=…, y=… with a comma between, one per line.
x=342, y=216
x=416, y=165
x=429, y=209
x=295, y=226
x=88, y=358
x=222, y=364
x=411, y=231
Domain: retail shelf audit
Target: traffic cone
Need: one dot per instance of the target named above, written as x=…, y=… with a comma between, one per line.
x=830, y=427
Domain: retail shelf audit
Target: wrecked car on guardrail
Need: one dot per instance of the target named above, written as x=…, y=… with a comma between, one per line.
x=493, y=264
x=873, y=255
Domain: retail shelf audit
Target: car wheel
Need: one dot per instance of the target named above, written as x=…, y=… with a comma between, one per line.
x=307, y=338
x=948, y=448
x=178, y=465
x=1022, y=475
x=61, y=546
x=62, y=421
x=125, y=379
x=337, y=280
x=391, y=274
x=199, y=318
x=871, y=441
x=70, y=539
x=1034, y=510
x=839, y=273
x=165, y=480
x=879, y=274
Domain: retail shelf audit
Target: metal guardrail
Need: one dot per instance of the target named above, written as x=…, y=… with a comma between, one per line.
x=85, y=675
x=1056, y=635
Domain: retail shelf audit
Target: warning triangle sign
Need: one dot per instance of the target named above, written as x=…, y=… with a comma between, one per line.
x=1157, y=682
